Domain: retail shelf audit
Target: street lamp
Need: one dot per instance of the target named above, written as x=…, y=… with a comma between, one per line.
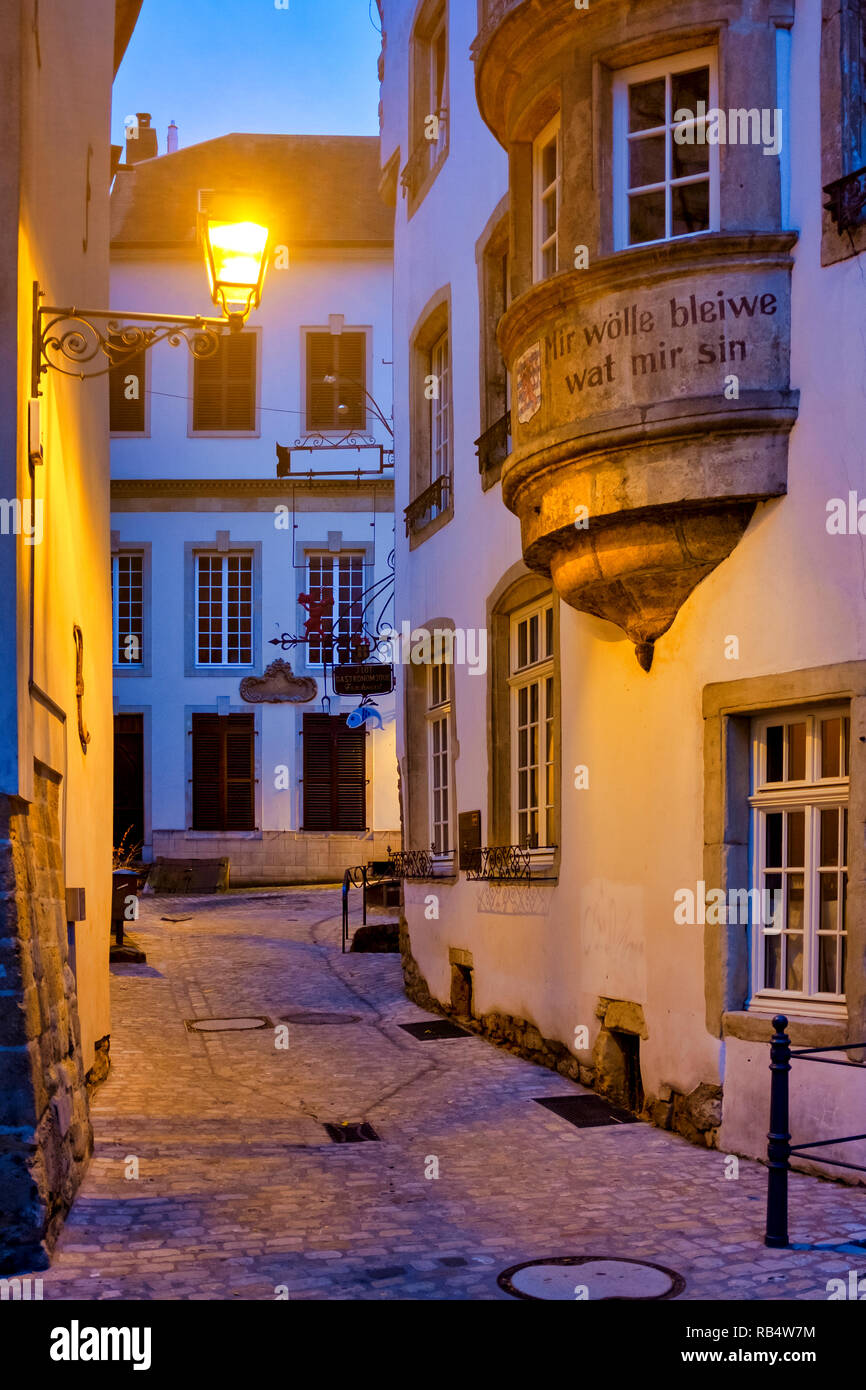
x=235, y=250
x=235, y=246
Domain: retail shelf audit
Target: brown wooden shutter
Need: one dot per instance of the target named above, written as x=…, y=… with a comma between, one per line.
x=224, y=389
x=321, y=397
x=335, y=774
x=223, y=772
x=353, y=369
x=127, y=416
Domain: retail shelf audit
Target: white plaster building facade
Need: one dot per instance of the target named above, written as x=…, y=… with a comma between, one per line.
x=647, y=513
x=212, y=551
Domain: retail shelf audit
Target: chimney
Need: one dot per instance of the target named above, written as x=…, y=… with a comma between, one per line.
x=143, y=144
x=171, y=139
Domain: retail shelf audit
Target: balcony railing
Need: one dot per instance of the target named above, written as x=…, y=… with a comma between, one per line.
x=846, y=200
x=510, y=864
x=428, y=504
x=494, y=446
x=421, y=863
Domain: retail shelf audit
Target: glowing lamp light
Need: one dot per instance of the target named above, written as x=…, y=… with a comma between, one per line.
x=236, y=255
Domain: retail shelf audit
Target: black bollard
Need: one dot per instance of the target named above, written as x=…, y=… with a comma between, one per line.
x=779, y=1138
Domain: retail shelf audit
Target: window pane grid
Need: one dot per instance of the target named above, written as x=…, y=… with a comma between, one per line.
x=224, y=610
x=127, y=586
x=337, y=580
x=800, y=852
x=533, y=728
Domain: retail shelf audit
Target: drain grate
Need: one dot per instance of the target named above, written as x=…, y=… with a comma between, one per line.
x=352, y=1133
x=434, y=1029
x=592, y=1278
x=586, y=1112
x=244, y=1024
x=311, y=1020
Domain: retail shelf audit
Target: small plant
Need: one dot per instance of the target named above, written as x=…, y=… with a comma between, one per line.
x=126, y=854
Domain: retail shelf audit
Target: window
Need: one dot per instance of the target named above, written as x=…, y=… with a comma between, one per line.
x=843, y=129
x=547, y=180
x=533, y=734
x=439, y=755
x=223, y=772
x=224, y=610
x=799, y=841
x=127, y=394
x=429, y=92
x=224, y=387
x=335, y=774
x=666, y=174
x=127, y=602
x=335, y=600
x=494, y=445
x=440, y=408
x=336, y=381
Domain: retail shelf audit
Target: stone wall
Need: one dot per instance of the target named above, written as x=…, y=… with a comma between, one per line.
x=45, y=1134
x=697, y=1115
x=279, y=856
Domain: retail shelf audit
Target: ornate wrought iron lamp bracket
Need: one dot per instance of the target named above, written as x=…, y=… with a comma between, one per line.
x=93, y=341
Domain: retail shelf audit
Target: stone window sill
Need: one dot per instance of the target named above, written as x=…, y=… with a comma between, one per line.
x=802, y=1030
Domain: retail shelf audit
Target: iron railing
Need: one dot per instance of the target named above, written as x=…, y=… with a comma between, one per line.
x=509, y=863
x=362, y=876
x=779, y=1146
x=428, y=504
x=846, y=200
x=421, y=863
x=494, y=446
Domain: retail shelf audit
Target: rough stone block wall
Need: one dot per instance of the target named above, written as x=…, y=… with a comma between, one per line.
x=45, y=1134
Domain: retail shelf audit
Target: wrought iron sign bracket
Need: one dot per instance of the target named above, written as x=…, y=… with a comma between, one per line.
x=93, y=341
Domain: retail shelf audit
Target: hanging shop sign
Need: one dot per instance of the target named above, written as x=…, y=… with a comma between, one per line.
x=375, y=678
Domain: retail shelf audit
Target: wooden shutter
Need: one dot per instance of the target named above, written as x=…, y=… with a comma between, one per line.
x=127, y=416
x=224, y=389
x=321, y=397
x=223, y=772
x=335, y=774
x=129, y=779
x=353, y=368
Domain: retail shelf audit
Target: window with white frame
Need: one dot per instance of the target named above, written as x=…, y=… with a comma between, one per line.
x=546, y=182
x=335, y=602
x=533, y=732
x=440, y=408
x=439, y=756
x=666, y=171
x=127, y=603
x=430, y=108
x=224, y=610
x=799, y=840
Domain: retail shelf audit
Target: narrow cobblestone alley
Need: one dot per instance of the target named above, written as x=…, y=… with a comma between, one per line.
x=241, y=1194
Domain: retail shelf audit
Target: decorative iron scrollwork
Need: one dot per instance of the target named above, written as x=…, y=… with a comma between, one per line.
x=85, y=342
x=505, y=864
x=846, y=200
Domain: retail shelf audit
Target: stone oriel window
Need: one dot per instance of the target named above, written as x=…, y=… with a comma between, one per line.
x=843, y=129
x=799, y=854
x=431, y=504
x=429, y=117
x=666, y=173
x=524, y=712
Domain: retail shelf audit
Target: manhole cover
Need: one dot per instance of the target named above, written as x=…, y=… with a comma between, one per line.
x=575, y=1278
x=434, y=1029
x=310, y=1020
x=351, y=1133
x=243, y=1024
x=586, y=1112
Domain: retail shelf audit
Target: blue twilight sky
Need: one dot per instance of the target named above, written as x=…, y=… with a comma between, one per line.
x=216, y=66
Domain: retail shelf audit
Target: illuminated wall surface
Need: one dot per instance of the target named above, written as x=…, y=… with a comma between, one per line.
x=55, y=796
x=662, y=518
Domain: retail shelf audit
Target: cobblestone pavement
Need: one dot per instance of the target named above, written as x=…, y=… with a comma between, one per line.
x=240, y=1193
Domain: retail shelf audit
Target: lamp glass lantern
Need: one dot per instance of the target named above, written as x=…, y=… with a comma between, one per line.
x=235, y=242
